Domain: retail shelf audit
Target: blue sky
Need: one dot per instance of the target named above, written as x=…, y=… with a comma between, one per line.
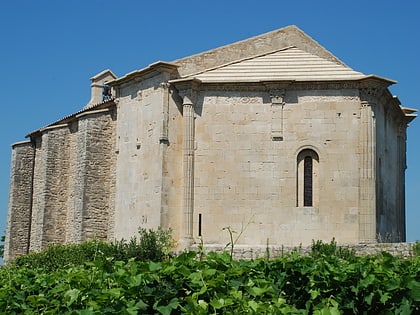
x=50, y=49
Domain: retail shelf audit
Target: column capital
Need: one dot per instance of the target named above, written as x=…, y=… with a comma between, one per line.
x=370, y=95
x=277, y=91
x=372, y=89
x=364, y=104
x=277, y=96
x=164, y=85
x=187, y=89
x=189, y=97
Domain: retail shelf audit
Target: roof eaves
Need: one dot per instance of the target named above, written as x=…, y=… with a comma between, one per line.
x=374, y=77
x=409, y=110
x=272, y=80
x=409, y=113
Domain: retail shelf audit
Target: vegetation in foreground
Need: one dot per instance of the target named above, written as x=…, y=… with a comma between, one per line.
x=116, y=279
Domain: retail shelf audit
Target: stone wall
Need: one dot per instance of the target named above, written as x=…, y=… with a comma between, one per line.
x=390, y=169
x=140, y=144
x=63, y=185
x=173, y=169
x=20, y=201
x=247, y=180
x=253, y=252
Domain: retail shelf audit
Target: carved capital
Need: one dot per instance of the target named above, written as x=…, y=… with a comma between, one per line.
x=139, y=96
x=188, y=96
x=277, y=96
x=365, y=104
x=368, y=108
x=370, y=94
x=277, y=91
x=164, y=85
x=187, y=90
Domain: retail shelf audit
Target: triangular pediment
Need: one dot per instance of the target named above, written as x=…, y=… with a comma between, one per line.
x=288, y=64
x=289, y=36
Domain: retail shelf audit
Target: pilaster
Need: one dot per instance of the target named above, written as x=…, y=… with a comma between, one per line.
x=189, y=95
x=367, y=190
x=401, y=167
x=164, y=87
x=164, y=142
x=277, y=106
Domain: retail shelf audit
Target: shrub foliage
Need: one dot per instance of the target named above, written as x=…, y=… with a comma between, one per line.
x=150, y=245
x=323, y=282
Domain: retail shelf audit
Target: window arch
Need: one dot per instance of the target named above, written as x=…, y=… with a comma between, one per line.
x=307, y=178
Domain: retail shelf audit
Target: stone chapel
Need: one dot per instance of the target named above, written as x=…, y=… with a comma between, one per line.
x=272, y=136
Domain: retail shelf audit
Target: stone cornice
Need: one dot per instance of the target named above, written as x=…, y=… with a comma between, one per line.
x=98, y=111
x=410, y=114
x=278, y=85
x=372, y=90
x=53, y=127
x=186, y=84
x=150, y=71
x=21, y=143
x=70, y=118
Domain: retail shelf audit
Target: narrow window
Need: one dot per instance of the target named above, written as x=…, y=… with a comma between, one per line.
x=307, y=179
x=199, y=224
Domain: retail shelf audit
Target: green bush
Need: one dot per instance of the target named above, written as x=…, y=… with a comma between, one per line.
x=141, y=277
x=416, y=248
x=60, y=256
x=217, y=284
x=320, y=249
x=151, y=245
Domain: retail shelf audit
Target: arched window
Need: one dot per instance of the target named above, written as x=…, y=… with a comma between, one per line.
x=307, y=178
x=307, y=181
